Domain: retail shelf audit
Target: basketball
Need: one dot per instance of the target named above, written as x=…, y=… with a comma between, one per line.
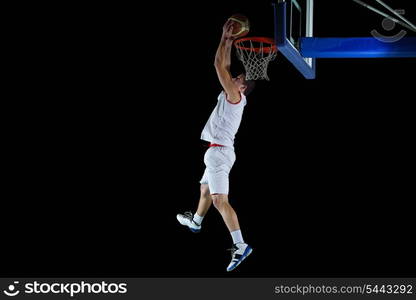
x=241, y=25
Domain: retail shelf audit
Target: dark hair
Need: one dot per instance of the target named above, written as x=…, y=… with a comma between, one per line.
x=250, y=85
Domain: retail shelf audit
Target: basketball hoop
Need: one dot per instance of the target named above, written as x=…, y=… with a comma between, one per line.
x=255, y=53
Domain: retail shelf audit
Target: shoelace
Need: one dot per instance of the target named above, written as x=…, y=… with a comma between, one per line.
x=233, y=250
x=189, y=215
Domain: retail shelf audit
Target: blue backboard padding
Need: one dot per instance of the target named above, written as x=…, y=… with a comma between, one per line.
x=286, y=47
x=357, y=47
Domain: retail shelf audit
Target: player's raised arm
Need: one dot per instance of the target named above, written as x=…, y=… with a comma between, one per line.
x=223, y=63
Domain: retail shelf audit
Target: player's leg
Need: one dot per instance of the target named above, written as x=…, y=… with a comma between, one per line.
x=218, y=169
x=194, y=221
x=240, y=249
x=228, y=214
x=219, y=163
x=205, y=202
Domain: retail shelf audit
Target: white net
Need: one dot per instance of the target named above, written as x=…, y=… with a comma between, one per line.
x=255, y=56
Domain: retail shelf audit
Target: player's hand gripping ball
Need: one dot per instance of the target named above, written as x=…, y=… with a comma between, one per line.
x=241, y=25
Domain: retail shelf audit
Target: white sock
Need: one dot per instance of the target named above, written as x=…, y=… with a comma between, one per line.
x=198, y=219
x=237, y=237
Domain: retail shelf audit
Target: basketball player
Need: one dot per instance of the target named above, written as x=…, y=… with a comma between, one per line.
x=220, y=131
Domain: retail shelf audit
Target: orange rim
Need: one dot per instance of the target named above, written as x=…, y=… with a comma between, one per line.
x=266, y=40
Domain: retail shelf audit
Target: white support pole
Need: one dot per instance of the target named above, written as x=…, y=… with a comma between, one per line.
x=309, y=18
x=309, y=24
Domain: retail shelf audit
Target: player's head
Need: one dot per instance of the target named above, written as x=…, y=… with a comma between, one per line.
x=245, y=86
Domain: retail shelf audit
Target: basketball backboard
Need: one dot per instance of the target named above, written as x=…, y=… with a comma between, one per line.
x=293, y=26
x=293, y=20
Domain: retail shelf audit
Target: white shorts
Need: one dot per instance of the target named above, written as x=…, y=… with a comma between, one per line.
x=218, y=162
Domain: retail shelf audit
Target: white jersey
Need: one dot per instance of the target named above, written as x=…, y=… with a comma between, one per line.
x=224, y=121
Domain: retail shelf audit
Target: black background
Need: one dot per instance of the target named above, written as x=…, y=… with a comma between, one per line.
x=104, y=148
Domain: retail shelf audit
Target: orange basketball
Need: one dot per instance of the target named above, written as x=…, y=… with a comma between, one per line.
x=241, y=25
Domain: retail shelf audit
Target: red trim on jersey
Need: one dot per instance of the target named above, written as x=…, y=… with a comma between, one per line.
x=216, y=145
x=226, y=98
x=241, y=98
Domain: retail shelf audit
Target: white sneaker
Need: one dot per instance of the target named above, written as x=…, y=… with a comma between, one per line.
x=187, y=220
x=239, y=252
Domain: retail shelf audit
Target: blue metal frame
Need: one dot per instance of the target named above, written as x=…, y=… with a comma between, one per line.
x=354, y=47
x=357, y=47
x=286, y=47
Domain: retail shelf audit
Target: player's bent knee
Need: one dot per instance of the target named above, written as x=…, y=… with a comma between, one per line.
x=218, y=200
x=205, y=190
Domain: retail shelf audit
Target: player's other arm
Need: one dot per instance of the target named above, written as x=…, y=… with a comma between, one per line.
x=223, y=63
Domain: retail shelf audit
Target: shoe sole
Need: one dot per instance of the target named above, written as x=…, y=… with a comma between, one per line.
x=246, y=253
